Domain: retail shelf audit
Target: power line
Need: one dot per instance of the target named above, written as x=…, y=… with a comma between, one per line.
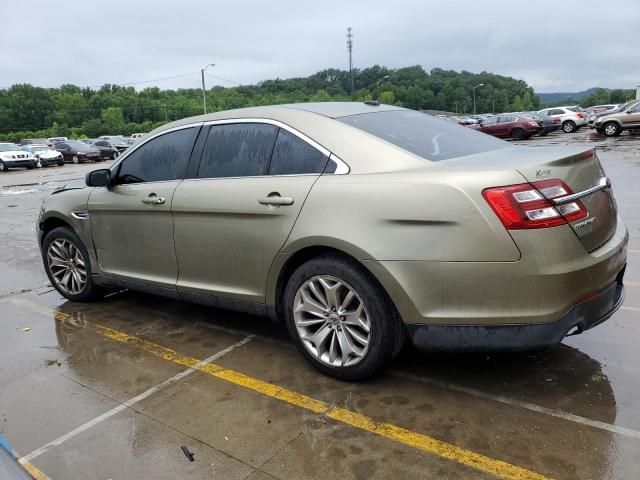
x=221, y=78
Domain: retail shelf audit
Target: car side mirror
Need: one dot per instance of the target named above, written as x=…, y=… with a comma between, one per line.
x=99, y=178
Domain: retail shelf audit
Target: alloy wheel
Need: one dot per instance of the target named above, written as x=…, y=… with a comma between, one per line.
x=2, y=166
x=332, y=321
x=67, y=266
x=610, y=129
x=75, y=159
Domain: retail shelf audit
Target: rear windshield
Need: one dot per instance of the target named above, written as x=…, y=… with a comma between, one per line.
x=428, y=137
x=575, y=109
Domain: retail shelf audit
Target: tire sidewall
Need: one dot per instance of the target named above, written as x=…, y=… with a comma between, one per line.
x=384, y=321
x=90, y=291
x=568, y=123
x=617, y=129
x=518, y=134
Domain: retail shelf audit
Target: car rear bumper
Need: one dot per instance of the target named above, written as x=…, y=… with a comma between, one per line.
x=579, y=318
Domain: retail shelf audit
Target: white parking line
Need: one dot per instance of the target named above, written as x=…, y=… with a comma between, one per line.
x=628, y=432
x=91, y=423
x=631, y=283
x=631, y=309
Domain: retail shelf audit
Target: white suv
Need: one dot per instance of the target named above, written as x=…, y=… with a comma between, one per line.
x=571, y=118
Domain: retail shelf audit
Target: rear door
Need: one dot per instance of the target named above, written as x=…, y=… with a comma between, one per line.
x=233, y=218
x=632, y=117
x=582, y=172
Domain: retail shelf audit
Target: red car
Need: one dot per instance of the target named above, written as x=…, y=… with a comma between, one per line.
x=510, y=126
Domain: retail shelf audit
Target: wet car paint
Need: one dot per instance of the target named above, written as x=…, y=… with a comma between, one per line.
x=565, y=412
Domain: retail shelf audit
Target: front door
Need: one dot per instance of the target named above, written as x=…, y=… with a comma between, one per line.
x=232, y=220
x=131, y=221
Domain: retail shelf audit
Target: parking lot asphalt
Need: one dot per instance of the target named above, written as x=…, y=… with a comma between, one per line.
x=112, y=390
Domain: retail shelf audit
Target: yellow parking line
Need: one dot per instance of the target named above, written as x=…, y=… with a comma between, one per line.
x=34, y=471
x=416, y=440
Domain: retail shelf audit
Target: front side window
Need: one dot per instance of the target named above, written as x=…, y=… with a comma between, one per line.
x=635, y=109
x=294, y=156
x=237, y=150
x=423, y=135
x=160, y=159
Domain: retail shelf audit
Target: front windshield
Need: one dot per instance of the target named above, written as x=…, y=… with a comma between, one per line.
x=428, y=137
x=8, y=147
x=39, y=149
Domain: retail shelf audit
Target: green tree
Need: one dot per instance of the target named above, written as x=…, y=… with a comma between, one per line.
x=387, y=97
x=516, y=106
x=112, y=120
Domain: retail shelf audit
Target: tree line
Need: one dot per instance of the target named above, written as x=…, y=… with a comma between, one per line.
x=70, y=110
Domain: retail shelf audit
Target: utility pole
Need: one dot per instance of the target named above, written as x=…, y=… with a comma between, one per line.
x=166, y=117
x=204, y=90
x=350, y=49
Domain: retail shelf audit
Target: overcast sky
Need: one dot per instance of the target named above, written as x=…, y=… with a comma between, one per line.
x=553, y=45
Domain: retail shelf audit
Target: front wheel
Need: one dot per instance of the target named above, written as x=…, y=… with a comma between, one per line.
x=66, y=262
x=75, y=159
x=3, y=167
x=115, y=155
x=568, y=126
x=611, y=129
x=340, y=318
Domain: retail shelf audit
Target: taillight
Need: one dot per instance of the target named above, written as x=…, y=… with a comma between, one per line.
x=554, y=120
x=528, y=205
x=533, y=124
x=580, y=114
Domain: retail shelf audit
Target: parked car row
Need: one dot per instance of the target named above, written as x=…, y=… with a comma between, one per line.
x=613, y=122
x=43, y=152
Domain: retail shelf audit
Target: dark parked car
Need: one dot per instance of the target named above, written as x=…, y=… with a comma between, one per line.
x=549, y=124
x=510, y=126
x=76, y=152
x=116, y=143
x=107, y=149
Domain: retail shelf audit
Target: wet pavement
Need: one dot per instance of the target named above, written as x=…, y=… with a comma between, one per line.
x=114, y=389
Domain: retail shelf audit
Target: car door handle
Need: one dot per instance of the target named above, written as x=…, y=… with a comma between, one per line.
x=275, y=200
x=153, y=199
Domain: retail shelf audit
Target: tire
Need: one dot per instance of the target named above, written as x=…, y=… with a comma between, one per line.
x=611, y=129
x=38, y=164
x=544, y=134
x=62, y=238
x=518, y=134
x=61, y=163
x=343, y=276
x=31, y=167
x=568, y=126
x=75, y=159
x=3, y=167
x=115, y=155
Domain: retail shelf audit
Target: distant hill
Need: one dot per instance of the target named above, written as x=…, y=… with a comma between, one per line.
x=560, y=97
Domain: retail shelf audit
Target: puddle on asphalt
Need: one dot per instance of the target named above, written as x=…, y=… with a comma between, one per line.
x=19, y=188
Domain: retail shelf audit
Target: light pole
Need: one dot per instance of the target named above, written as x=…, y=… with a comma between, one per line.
x=204, y=96
x=166, y=117
x=381, y=80
x=474, y=96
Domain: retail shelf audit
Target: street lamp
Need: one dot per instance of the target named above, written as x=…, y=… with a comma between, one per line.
x=204, y=97
x=381, y=80
x=474, y=96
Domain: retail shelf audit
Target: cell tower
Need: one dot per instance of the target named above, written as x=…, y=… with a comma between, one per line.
x=350, y=49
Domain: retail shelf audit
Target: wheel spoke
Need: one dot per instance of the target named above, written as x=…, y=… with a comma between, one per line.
x=330, y=291
x=320, y=336
x=310, y=306
x=345, y=346
x=318, y=294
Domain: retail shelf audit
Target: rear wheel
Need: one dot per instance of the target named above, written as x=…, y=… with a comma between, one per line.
x=3, y=167
x=517, y=134
x=568, y=126
x=611, y=129
x=66, y=262
x=75, y=159
x=340, y=318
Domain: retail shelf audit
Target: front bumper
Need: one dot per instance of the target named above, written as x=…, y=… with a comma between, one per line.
x=19, y=162
x=579, y=318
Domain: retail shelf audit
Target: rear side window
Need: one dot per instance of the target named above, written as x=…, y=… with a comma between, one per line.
x=160, y=159
x=294, y=156
x=237, y=150
x=575, y=109
x=428, y=137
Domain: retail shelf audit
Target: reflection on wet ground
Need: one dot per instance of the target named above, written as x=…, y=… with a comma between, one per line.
x=568, y=412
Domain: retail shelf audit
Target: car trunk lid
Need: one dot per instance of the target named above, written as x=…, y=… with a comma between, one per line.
x=582, y=172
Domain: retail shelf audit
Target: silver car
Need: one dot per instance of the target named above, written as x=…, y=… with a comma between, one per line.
x=357, y=225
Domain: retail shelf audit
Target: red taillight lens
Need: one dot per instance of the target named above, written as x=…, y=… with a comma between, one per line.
x=580, y=114
x=528, y=205
x=554, y=120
